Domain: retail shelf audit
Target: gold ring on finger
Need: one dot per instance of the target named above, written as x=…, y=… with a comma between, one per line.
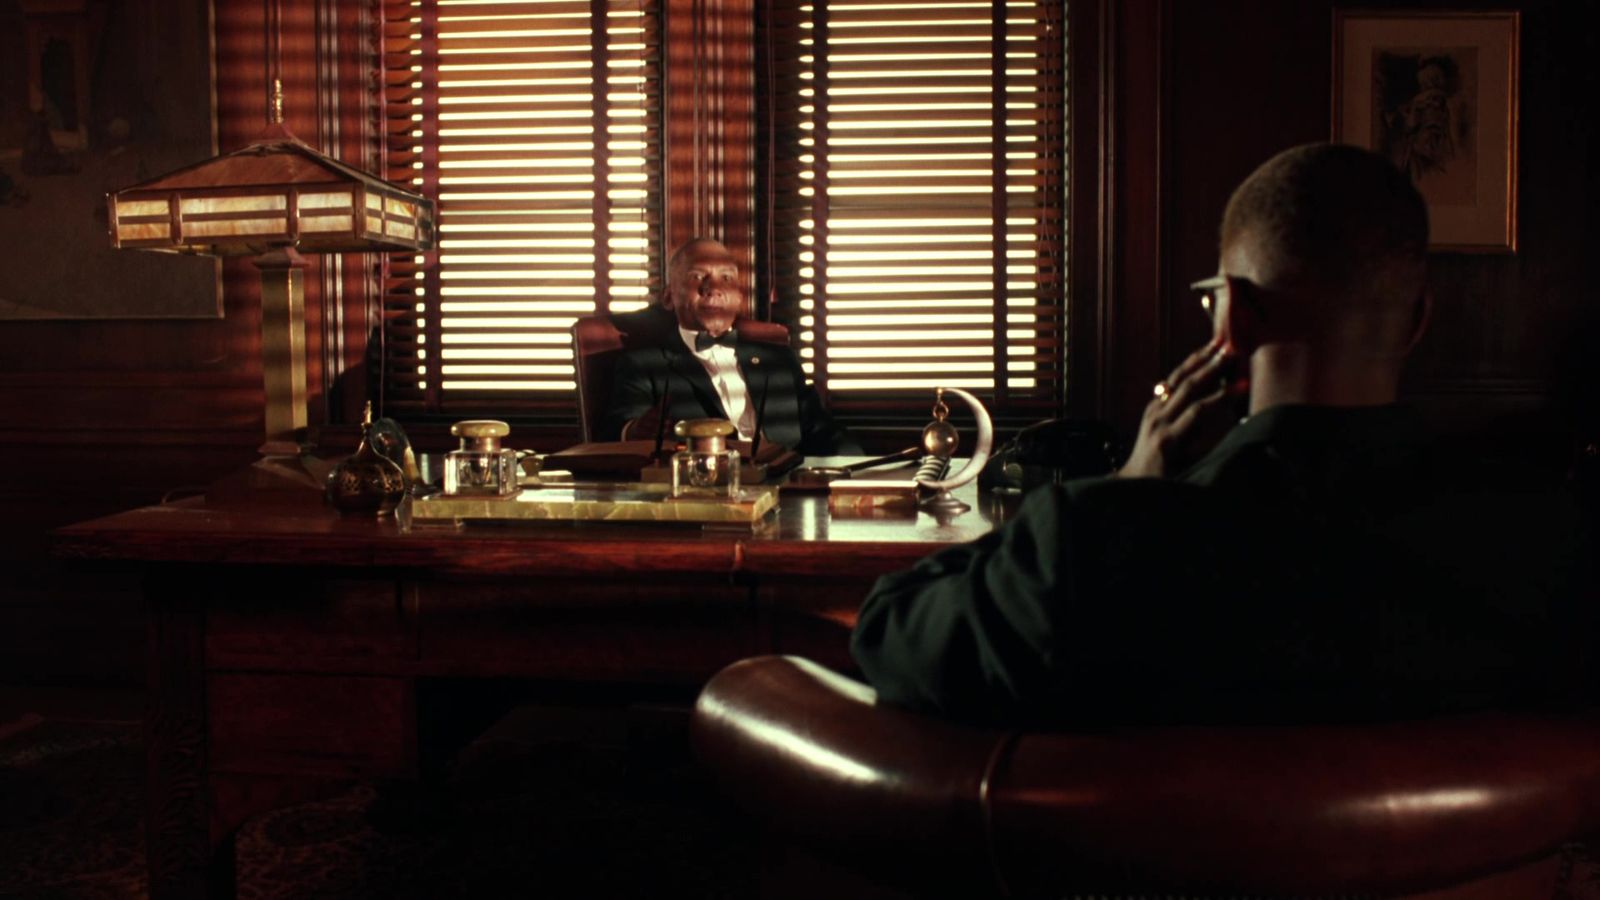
x=1161, y=391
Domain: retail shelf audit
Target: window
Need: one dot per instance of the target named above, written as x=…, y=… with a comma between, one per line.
x=535, y=125
x=915, y=201
x=912, y=199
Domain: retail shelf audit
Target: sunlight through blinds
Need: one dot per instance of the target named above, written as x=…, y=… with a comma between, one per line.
x=535, y=126
x=919, y=194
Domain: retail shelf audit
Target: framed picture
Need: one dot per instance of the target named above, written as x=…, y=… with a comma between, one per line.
x=1436, y=92
x=107, y=94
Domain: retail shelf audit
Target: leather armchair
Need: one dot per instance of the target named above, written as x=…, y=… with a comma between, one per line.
x=1481, y=803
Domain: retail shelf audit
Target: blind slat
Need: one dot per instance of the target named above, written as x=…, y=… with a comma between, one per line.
x=538, y=105
x=917, y=180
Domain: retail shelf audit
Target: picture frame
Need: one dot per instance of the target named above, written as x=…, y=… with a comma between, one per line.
x=111, y=94
x=1436, y=93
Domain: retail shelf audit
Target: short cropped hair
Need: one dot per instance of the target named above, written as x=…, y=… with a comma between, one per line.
x=1335, y=217
x=677, y=261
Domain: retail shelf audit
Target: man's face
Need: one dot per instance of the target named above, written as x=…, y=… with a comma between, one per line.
x=704, y=290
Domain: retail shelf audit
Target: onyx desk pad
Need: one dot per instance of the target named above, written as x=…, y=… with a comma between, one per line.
x=287, y=643
x=625, y=502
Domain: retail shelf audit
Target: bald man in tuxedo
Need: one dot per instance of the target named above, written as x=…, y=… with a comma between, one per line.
x=697, y=361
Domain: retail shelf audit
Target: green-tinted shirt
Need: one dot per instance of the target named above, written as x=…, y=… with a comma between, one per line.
x=1320, y=563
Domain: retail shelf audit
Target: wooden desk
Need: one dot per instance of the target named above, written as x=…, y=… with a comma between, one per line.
x=286, y=643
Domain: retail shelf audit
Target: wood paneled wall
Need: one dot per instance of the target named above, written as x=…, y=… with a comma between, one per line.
x=1174, y=102
x=710, y=170
x=101, y=415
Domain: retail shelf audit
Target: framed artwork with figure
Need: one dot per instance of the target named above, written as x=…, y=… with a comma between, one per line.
x=101, y=94
x=1436, y=93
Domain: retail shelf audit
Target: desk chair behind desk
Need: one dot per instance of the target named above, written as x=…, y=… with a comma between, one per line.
x=598, y=340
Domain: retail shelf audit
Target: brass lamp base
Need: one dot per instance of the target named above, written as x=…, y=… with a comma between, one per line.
x=292, y=472
x=274, y=480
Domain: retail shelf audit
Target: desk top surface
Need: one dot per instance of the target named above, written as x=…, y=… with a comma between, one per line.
x=802, y=538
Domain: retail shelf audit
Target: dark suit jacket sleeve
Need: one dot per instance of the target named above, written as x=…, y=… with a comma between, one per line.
x=968, y=632
x=632, y=394
x=821, y=434
x=1064, y=612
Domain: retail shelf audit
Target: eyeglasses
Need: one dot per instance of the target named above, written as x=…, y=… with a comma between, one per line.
x=1210, y=291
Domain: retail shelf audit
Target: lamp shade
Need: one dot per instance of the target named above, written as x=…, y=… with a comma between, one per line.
x=275, y=193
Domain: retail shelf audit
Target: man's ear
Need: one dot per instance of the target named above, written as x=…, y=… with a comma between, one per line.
x=1421, y=315
x=1241, y=325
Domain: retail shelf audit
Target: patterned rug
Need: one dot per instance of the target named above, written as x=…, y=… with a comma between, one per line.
x=511, y=812
x=70, y=806
x=518, y=815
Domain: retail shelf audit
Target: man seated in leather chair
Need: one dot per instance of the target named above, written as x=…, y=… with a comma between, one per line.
x=1324, y=561
x=697, y=360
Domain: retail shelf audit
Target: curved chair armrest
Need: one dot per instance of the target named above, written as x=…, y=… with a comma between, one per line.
x=1373, y=808
x=1378, y=808
x=807, y=751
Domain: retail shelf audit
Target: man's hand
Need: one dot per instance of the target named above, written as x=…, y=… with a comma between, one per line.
x=644, y=428
x=1186, y=417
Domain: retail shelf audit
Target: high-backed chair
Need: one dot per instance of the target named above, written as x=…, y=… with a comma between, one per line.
x=597, y=340
x=1481, y=804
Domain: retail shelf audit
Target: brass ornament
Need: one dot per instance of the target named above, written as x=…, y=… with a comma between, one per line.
x=940, y=438
x=367, y=483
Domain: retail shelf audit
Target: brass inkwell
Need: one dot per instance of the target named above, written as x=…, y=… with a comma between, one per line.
x=481, y=467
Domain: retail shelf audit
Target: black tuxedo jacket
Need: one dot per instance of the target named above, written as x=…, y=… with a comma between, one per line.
x=791, y=414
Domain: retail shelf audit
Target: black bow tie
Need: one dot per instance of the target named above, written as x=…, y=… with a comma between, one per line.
x=703, y=339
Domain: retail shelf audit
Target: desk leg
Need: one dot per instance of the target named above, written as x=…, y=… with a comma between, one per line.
x=184, y=859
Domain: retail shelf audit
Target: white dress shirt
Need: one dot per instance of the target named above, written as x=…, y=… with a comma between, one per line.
x=722, y=364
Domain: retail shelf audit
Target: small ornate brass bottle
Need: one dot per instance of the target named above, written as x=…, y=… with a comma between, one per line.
x=707, y=467
x=368, y=483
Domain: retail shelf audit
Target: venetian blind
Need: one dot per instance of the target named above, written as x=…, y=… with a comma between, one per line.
x=918, y=188
x=535, y=125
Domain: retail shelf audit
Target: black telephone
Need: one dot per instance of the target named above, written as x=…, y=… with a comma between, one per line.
x=1051, y=452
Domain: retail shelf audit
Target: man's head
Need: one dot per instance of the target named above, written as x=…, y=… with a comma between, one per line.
x=703, y=286
x=1324, y=247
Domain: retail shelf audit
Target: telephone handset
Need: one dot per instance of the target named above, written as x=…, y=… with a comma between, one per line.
x=1051, y=452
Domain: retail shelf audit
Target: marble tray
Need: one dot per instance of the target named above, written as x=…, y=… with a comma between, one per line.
x=598, y=502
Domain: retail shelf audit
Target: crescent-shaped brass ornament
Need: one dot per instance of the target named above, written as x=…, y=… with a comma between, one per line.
x=980, y=453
